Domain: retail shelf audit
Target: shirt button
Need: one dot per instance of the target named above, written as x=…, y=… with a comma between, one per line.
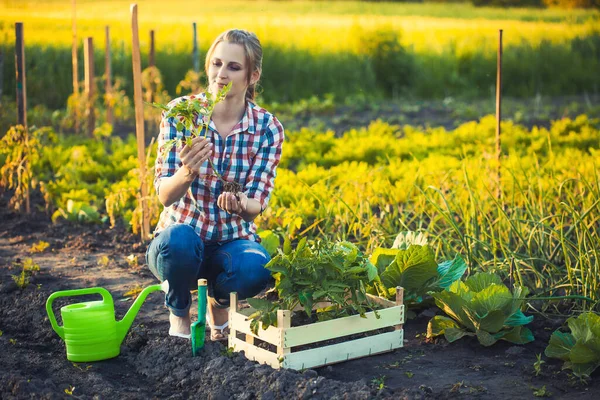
x=226, y=155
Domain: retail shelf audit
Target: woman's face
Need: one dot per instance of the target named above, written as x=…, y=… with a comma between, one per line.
x=228, y=64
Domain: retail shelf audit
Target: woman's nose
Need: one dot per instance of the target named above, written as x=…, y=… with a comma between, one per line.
x=222, y=73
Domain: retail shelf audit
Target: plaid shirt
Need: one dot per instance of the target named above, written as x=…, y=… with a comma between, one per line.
x=249, y=156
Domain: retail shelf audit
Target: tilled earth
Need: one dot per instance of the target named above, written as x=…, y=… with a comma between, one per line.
x=152, y=364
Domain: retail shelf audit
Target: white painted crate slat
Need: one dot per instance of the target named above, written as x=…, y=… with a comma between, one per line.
x=326, y=330
x=344, y=351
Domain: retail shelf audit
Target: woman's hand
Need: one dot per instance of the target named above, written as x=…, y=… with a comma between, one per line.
x=193, y=157
x=229, y=202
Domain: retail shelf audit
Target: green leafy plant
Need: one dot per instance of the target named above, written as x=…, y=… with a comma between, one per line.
x=187, y=113
x=379, y=382
x=580, y=349
x=413, y=267
x=29, y=267
x=484, y=307
x=313, y=272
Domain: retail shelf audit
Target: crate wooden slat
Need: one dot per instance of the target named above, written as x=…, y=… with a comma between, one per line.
x=284, y=338
x=344, y=351
x=326, y=330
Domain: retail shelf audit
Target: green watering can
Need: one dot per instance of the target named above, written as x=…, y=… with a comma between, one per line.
x=89, y=329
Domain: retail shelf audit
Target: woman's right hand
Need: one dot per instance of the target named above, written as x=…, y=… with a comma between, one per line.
x=193, y=157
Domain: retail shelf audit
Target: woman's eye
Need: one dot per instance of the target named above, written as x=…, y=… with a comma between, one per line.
x=216, y=63
x=235, y=68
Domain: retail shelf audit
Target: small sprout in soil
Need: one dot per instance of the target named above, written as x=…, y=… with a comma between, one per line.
x=229, y=352
x=1, y=332
x=509, y=364
x=541, y=392
x=537, y=366
x=80, y=368
x=457, y=386
x=409, y=374
x=29, y=267
x=39, y=247
x=12, y=341
x=379, y=382
x=70, y=390
x=103, y=261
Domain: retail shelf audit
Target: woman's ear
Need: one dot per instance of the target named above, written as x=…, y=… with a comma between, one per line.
x=255, y=77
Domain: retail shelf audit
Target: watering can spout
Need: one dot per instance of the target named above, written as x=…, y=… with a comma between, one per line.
x=124, y=324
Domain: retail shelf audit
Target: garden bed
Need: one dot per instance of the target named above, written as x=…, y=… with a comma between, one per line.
x=287, y=339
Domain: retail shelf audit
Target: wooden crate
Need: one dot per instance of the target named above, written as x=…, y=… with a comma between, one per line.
x=284, y=337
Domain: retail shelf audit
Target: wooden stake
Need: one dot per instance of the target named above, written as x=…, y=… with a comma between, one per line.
x=399, y=302
x=139, y=120
x=284, y=322
x=88, y=61
x=21, y=80
x=499, y=114
x=151, y=54
x=75, y=63
x=108, y=73
x=195, y=54
x=233, y=309
x=22, y=97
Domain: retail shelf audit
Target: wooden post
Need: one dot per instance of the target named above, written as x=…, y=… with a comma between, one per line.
x=284, y=322
x=195, y=54
x=151, y=53
x=20, y=70
x=399, y=302
x=139, y=120
x=499, y=115
x=108, y=83
x=88, y=59
x=22, y=98
x=75, y=63
x=233, y=309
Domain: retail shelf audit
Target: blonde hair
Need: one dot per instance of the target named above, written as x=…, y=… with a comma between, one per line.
x=252, y=49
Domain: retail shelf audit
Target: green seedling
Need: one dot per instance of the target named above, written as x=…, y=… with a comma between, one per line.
x=187, y=114
x=29, y=267
x=541, y=392
x=379, y=382
x=537, y=366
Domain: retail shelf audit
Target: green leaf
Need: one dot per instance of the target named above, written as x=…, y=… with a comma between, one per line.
x=582, y=353
x=260, y=304
x=560, y=345
x=585, y=327
x=306, y=299
x=518, y=319
x=270, y=241
x=480, y=281
x=287, y=246
x=450, y=271
x=453, y=334
x=492, y=298
x=411, y=269
x=517, y=335
x=485, y=338
x=180, y=127
x=382, y=257
x=438, y=325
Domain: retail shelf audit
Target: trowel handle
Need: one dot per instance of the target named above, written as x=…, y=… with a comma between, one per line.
x=106, y=297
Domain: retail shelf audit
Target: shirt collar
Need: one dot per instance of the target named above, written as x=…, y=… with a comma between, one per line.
x=246, y=124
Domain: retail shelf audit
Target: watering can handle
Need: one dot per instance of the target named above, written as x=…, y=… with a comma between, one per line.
x=106, y=297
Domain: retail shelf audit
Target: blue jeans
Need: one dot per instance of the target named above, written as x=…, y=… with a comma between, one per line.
x=177, y=254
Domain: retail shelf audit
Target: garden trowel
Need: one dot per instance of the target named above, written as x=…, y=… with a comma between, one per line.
x=198, y=327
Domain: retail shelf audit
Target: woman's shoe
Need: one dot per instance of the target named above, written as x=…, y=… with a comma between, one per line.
x=219, y=333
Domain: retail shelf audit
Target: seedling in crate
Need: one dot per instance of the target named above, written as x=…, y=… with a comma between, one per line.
x=187, y=113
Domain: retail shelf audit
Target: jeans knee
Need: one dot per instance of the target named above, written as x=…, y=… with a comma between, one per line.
x=181, y=245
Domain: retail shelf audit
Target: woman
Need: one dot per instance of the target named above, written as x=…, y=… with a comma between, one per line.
x=212, y=235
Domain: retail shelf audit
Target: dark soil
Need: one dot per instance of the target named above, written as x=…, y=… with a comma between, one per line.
x=152, y=364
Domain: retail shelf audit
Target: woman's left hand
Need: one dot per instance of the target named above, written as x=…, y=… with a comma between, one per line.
x=228, y=202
